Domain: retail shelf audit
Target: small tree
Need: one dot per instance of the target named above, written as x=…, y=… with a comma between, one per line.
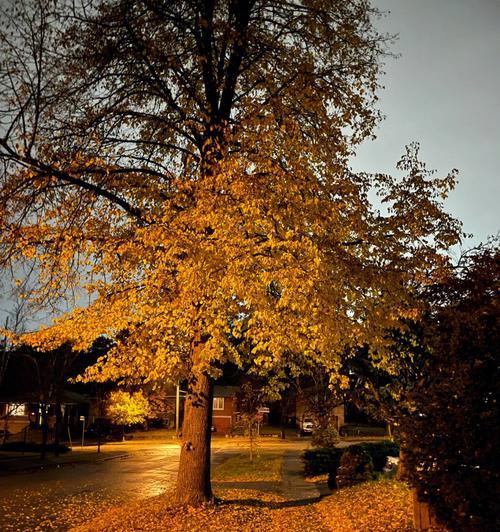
x=42, y=376
x=249, y=400
x=325, y=437
x=161, y=404
x=451, y=427
x=322, y=398
x=127, y=409
x=442, y=395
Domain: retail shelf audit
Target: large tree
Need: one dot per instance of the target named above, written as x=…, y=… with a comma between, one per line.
x=186, y=163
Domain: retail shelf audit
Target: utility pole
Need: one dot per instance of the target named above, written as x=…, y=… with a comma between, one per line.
x=177, y=407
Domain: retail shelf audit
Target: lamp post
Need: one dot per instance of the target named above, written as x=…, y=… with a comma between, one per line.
x=82, y=419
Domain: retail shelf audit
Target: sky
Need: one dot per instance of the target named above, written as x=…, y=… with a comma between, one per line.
x=444, y=92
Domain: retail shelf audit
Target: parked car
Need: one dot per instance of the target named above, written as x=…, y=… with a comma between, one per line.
x=306, y=425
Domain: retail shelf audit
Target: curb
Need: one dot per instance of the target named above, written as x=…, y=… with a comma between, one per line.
x=49, y=465
x=108, y=458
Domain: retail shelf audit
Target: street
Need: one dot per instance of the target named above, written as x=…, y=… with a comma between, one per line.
x=56, y=499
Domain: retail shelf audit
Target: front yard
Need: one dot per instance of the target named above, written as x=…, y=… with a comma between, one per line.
x=383, y=506
x=375, y=506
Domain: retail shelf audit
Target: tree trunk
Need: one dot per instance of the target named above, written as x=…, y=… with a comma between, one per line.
x=401, y=473
x=283, y=418
x=98, y=425
x=423, y=515
x=5, y=425
x=45, y=430
x=57, y=428
x=193, y=479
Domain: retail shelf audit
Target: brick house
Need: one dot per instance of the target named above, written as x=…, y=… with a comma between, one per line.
x=224, y=413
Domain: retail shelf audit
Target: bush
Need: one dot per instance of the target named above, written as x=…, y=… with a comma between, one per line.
x=20, y=446
x=326, y=460
x=451, y=436
x=379, y=451
x=362, y=430
x=325, y=437
x=321, y=461
x=355, y=467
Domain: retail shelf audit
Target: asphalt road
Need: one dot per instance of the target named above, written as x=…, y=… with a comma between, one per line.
x=56, y=499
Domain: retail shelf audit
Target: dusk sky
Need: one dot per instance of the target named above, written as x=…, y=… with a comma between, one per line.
x=444, y=92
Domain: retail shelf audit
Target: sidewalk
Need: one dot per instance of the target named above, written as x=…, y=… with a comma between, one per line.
x=293, y=486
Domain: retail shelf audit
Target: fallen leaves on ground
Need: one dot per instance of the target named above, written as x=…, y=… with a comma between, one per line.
x=241, y=510
x=383, y=506
x=378, y=506
x=48, y=510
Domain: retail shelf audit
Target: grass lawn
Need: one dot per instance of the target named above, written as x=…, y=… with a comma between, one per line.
x=266, y=466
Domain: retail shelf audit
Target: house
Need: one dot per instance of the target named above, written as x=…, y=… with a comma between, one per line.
x=225, y=414
x=15, y=417
x=23, y=412
x=224, y=411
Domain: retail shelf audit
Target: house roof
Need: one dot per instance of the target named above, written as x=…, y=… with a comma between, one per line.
x=67, y=397
x=225, y=391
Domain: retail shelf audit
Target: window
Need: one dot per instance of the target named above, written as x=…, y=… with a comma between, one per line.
x=17, y=409
x=218, y=403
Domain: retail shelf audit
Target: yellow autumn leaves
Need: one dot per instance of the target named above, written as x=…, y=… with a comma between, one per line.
x=285, y=261
x=384, y=506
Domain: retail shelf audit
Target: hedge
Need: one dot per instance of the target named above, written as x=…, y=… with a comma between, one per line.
x=327, y=461
x=321, y=461
x=356, y=466
x=379, y=451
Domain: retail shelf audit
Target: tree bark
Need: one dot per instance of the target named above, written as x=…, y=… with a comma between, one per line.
x=5, y=424
x=57, y=428
x=402, y=473
x=283, y=418
x=193, y=480
x=45, y=430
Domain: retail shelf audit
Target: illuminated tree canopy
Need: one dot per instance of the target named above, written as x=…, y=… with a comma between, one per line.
x=126, y=408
